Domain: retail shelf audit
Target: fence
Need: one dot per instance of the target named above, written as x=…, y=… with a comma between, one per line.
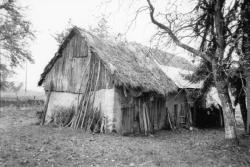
x=21, y=102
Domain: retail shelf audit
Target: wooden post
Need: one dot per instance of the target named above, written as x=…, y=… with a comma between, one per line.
x=17, y=103
x=144, y=118
x=45, y=108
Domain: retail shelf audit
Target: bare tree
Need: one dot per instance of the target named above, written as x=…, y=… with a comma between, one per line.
x=219, y=38
x=101, y=30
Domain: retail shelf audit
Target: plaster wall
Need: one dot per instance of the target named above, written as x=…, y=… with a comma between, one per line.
x=107, y=101
x=59, y=100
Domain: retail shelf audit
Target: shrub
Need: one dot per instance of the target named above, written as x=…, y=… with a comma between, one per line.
x=63, y=116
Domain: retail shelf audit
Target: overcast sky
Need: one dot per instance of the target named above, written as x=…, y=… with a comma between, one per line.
x=49, y=17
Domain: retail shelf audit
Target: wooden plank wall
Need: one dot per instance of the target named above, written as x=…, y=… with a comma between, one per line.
x=105, y=79
x=133, y=113
x=71, y=71
x=178, y=100
x=67, y=73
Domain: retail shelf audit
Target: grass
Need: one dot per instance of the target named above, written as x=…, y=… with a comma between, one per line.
x=23, y=143
x=22, y=95
x=22, y=99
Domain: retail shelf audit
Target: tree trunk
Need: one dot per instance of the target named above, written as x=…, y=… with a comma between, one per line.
x=227, y=108
x=239, y=83
x=219, y=74
x=229, y=119
x=243, y=109
x=246, y=51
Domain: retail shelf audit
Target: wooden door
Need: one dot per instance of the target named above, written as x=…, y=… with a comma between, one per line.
x=175, y=114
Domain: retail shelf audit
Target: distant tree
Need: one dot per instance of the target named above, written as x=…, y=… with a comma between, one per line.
x=17, y=87
x=15, y=32
x=4, y=74
x=59, y=37
x=101, y=30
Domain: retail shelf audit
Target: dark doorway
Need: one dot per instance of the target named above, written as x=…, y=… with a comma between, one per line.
x=211, y=117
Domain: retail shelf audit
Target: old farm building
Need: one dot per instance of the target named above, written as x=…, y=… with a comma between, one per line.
x=127, y=88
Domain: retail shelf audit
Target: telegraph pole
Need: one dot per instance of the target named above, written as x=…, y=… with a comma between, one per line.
x=26, y=73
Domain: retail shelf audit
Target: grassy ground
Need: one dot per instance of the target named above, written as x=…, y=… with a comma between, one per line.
x=21, y=98
x=22, y=143
x=23, y=95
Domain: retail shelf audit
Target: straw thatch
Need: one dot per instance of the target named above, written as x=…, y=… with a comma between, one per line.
x=132, y=65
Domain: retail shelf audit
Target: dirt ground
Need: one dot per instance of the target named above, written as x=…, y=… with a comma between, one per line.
x=23, y=143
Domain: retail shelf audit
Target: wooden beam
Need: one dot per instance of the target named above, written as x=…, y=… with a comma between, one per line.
x=45, y=108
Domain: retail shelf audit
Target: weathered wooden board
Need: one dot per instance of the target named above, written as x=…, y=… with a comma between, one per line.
x=67, y=73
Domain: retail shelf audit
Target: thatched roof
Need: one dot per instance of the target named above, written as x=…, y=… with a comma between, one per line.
x=131, y=64
x=177, y=75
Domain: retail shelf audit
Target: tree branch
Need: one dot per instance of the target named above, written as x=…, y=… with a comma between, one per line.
x=174, y=37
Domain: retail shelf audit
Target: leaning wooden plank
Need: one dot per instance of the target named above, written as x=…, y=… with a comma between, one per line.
x=189, y=117
x=145, y=118
x=83, y=100
x=140, y=116
x=148, y=120
x=94, y=92
x=169, y=120
x=45, y=108
x=73, y=124
x=88, y=98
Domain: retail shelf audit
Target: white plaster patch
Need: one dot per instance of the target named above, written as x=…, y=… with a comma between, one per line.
x=106, y=102
x=60, y=99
